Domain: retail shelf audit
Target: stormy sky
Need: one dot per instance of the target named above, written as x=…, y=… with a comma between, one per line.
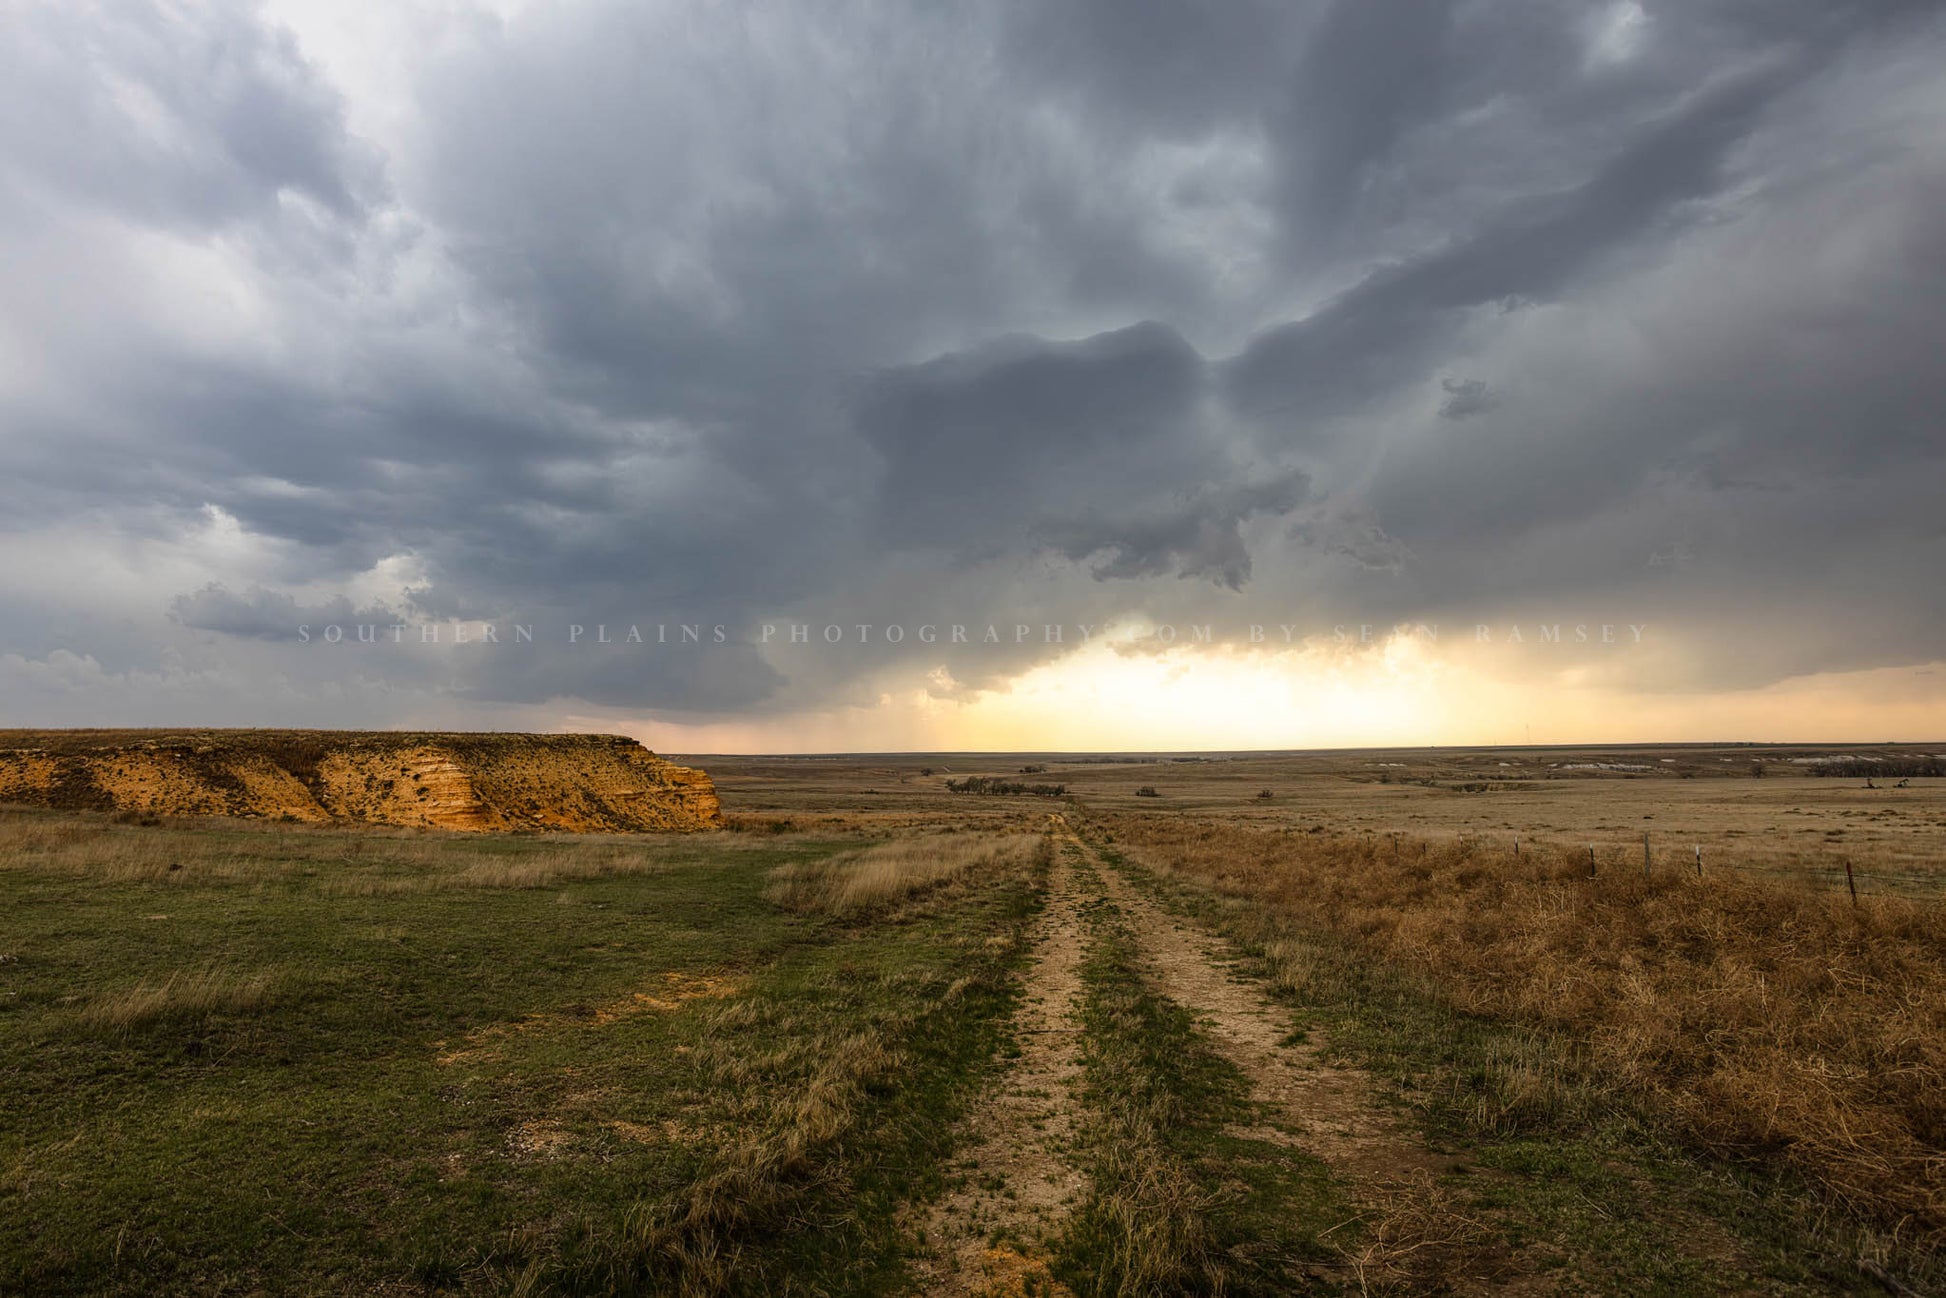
x=593, y=312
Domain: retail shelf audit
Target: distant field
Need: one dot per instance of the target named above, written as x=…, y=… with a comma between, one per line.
x=1789, y=819
x=881, y=1037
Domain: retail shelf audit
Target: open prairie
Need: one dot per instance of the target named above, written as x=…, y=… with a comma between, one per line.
x=1797, y=817
x=1410, y=1021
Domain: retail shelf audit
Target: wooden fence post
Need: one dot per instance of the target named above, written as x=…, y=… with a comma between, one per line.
x=1591, y=860
x=1699, y=860
x=1851, y=882
x=1645, y=854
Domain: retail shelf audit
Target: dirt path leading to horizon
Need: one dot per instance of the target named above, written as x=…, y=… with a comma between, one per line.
x=1020, y=1173
x=1327, y=1110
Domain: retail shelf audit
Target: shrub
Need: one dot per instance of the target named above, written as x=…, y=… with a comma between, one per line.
x=987, y=784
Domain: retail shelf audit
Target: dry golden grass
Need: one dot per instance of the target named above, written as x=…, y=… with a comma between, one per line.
x=183, y=851
x=84, y=845
x=1767, y=1019
x=348, y=860
x=538, y=869
x=1415, y=1229
x=1789, y=820
x=190, y=995
x=891, y=872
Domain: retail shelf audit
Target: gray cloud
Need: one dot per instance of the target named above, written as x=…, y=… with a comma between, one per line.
x=1102, y=450
x=1172, y=66
x=605, y=313
x=181, y=119
x=1383, y=333
x=1200, y=536
x=262, y=614
x=1465, y=398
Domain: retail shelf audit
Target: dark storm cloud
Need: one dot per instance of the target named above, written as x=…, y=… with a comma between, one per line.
x=1100, y=450
x=1200, y=536
x=1381, y=334
x=674, y=679
x=711, y=314
x=1465, y=398
x=1372, y=70
x=261, y=614
x=1170, y=65
x=1015, y=426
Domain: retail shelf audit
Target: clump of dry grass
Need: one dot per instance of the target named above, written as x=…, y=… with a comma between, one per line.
x=1414, y=1232
x=774, y=823
x=180, y=996
x=439, y=872
x=121, y=849
x=1148, y=1221
x=94, y=846
x=24, y=832
x=1765, y=1018
x=890, y=872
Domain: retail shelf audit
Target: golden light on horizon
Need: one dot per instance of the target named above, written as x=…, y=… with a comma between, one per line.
x=1400, y=691
x=1204, y=697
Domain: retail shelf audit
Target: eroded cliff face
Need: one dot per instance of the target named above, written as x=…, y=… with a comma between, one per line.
x=482, y=782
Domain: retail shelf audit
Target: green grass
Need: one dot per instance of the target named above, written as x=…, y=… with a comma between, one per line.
x=1571, y=1173
x=247, y=1058
x=338, y=1060
x=1180, y=1202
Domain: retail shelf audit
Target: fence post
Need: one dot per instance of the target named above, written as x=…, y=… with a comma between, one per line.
x=1591, y=860
x=1851, y=882
x=1699, y=860
x=1516, y=844
x=1645, y=854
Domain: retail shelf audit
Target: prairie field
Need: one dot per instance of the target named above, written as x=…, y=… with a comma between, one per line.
x=1626, y=1020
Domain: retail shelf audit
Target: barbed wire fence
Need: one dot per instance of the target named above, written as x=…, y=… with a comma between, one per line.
x=1606, y=857
x=1842, y=876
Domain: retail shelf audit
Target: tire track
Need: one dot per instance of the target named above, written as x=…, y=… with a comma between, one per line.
x=1414, y=1230
x=1019, y=1174
x=1326, y=1109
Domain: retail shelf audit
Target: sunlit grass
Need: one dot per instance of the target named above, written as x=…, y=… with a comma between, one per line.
x=893, y=871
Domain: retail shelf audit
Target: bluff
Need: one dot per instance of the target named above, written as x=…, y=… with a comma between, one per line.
x=482, y=782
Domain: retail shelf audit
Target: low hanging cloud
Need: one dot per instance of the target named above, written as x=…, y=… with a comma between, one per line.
x=261, y=614
x=1106, y=451
x=1200, y=536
